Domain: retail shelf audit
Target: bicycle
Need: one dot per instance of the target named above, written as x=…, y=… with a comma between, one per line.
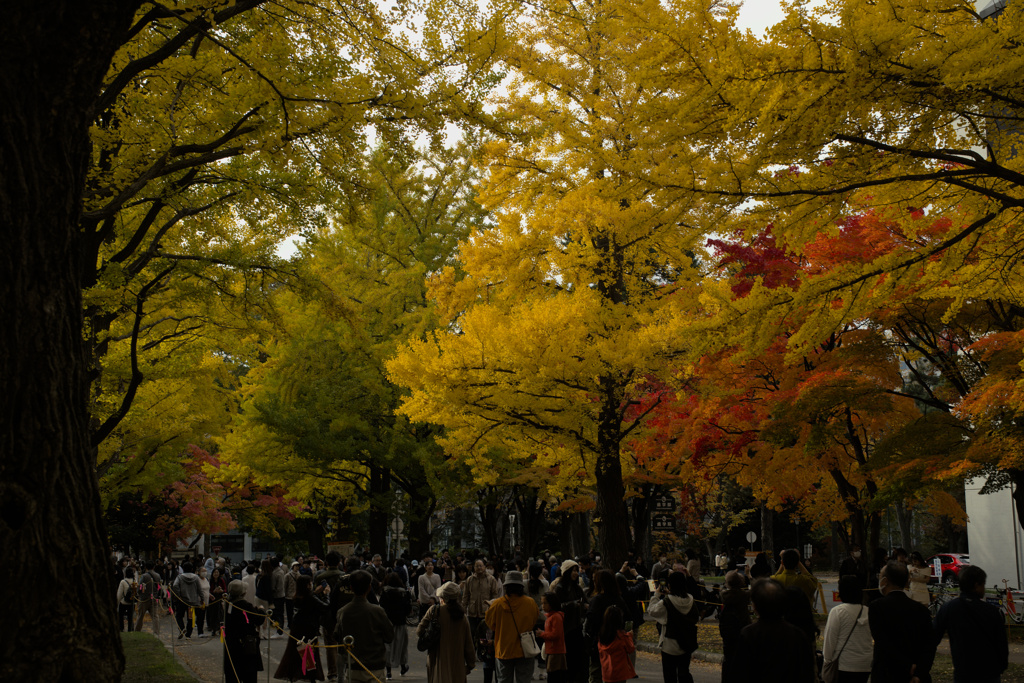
x=940, y=595
x=1007, y=605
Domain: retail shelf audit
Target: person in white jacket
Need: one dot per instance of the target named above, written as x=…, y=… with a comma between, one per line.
x=204, y=589
x=847, y=634
x=678, y=616
x=126, y=599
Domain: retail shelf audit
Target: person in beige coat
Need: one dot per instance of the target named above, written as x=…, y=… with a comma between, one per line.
x=455, y=656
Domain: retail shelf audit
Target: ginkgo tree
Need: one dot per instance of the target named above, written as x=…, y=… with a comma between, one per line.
x=577, y=292
x=318, y=412
x=223, y=128
x=146, y=148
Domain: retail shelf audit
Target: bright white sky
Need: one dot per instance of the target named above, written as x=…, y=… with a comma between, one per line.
x=757, y=15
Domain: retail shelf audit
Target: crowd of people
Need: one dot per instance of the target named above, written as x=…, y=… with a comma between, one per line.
x=495, y=613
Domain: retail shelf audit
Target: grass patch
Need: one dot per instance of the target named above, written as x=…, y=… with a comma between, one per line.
x=146, y=660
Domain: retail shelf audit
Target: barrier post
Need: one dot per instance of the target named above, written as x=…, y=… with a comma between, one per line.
x=348, y=640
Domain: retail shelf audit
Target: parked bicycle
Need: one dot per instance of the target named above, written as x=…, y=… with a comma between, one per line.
x=1006, y=603
x=940, y=595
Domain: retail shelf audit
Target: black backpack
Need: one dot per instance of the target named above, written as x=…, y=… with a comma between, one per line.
x=265, y=588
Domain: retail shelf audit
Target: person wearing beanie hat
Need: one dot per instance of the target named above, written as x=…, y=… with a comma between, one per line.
x=455, y=655
x=509, y=616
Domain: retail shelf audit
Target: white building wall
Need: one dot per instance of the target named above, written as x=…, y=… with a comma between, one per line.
x=994, y=534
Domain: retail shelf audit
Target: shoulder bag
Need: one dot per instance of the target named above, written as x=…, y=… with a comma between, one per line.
x=526, y=638
x=431, y=636
x=830, y=671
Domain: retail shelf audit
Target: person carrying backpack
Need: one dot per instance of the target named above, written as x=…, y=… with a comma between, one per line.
x=126, y=600
x=148, y=585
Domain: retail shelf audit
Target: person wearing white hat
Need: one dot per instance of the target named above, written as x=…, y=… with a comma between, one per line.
x=455, y=655
x=508, y=617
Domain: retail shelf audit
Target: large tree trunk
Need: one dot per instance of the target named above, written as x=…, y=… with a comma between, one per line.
x=421, y=508
x=54, y=56
x=380, y=514
x=611, y=516
x=642, y=540
x=903, y=518
x=531, y=519
x=768, y=533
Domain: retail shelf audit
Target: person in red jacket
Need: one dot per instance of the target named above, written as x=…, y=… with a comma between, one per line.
x=614, y=644
x=553, y=636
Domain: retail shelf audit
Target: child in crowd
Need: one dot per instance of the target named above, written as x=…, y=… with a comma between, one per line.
x=615, y=644
x=485, y=649
x=553, y=636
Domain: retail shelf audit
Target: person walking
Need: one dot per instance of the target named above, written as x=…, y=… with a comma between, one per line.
x=574, y=607
x=615, y=645
x=605, y=594
x=265, y=593
x=126, y=600
x=204, y=601
x=771, y=649
x=553, y=635
x=508, y=617
x=734, y=617
x=242, y=659
x=426, y=586
x=920, y=576
x=848, y=634
x=370, y=629
x=149, y=584
x=396, y=601
x=331, y=578
x=480, y=589
x=301, y=658
x=278, y=576
x=186, y=599
x=901, y=629
x=677, y=614
x=215, y=608
x=977, y=631
x=454, y=656
x=290, y=578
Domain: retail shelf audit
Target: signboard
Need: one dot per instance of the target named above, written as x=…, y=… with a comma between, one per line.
x=664, y=502
x=344, y=547
x=663, y=522
x=937, y=568
x=808, y=550
x=751, y=537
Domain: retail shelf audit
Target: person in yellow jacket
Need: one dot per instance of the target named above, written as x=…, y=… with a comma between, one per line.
x=509, y=616
x=794, y=574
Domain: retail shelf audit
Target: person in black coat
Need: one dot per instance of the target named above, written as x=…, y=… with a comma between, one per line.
x=606, y=593
x=242, y=660
x=735, y=616
x=309, y=608
x=771, y=649
x=977, y=631
x=902, y=631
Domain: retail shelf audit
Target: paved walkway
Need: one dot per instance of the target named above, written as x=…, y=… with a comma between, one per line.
x=203, y=657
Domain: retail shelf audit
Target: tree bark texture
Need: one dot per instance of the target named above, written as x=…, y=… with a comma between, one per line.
x=54, y=55
x=380, y=514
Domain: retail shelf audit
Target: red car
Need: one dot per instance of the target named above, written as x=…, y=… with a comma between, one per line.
x=951, y=565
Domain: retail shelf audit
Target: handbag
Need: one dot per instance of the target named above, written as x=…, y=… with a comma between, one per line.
x=527, y=639
x=830, y=671
x=430, y=638
x=250, y=645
